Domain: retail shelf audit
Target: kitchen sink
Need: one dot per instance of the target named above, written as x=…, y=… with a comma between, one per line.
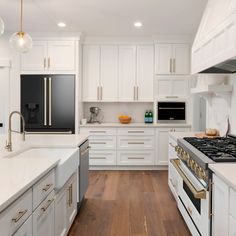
x=68, y=161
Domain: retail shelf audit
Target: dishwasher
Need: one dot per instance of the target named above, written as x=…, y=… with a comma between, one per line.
x=83, y=173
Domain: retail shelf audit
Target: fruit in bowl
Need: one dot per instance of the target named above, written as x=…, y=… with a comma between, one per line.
x=124, y=119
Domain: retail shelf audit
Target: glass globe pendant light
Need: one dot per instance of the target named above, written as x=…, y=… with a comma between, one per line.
x=21, y=41
x=1, y=26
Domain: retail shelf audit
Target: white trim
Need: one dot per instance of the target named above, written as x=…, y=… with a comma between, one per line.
x=5, y=63
x=128, y=167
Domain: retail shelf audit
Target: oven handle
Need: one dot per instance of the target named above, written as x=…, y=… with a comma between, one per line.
x=197, y=194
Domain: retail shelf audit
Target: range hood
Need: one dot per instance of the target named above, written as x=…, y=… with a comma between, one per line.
x=214, y=47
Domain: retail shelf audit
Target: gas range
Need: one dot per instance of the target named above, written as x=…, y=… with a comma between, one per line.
x=198, y=153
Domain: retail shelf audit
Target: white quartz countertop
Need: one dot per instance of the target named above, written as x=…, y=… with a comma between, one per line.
x=225, y=171
x=19, y=174
x=136, y=125
x=178, y=135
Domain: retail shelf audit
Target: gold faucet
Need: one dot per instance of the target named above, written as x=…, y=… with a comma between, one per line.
x=9, y=142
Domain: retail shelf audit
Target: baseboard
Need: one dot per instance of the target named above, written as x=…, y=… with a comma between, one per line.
x=128, y=168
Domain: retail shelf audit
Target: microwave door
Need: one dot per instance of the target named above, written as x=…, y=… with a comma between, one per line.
x=33, y=101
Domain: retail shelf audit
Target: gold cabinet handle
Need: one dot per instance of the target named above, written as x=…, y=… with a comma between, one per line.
x=97, y=158
x=190, y=210
x=19, y=216
x=44, y=62
x=70, y=200
x=136, y=158
x=49, y=62
x=98, y=131
x=136, y=143
x=44, y=208
x=197, y=194
x=137, y=92
x=134, y=93
x=98, y=143
x=47, y=187
x=174, y=66
x=170, y=65
x=98, y=93
x=135, y=131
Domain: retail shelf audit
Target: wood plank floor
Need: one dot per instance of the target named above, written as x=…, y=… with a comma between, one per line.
x=129, y=203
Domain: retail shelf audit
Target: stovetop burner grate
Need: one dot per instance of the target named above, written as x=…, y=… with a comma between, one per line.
x=217, y=149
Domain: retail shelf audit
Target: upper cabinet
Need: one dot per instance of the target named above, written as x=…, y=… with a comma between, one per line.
x=118, y=73
x=50, y=57
x=172, y=59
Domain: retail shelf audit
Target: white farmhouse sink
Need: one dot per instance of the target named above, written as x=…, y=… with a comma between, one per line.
x=68, y=161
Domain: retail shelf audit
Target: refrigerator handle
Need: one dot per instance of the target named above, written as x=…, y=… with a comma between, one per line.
x=45, y=101
x=50, y=101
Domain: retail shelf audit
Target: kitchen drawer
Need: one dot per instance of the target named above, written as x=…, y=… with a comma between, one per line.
x=232, y=226
x=26, y=229
x=135, y=142
x=102, y=158
x=42, y=188
x=173, y=180
x=232, y=203
x=171, y=148
x=99, y=131
x=136, y=131
x=102, y=142
x=13, y=217
x=135, y=158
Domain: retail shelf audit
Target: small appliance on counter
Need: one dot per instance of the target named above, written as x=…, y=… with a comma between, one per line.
x=94, y=115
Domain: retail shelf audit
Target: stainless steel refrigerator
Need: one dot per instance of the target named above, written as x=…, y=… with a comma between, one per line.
x=48, y=103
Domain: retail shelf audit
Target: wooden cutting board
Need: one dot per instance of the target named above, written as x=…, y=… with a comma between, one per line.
x=203, y=135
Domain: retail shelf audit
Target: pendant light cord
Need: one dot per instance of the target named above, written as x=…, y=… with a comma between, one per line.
x=21, y=16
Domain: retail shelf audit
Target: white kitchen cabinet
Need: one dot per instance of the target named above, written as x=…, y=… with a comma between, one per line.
x=61, y=213
x=220, y=207
x=102, y=157
x=71, y=200
x=43, y=217
x=172, y=87
x=162, y=143
x=109, y=73
x=232, y=226
x=145, y=72
x=91, y=72
x=50, y=57
x=127, y=73
x=26, y=229
x=172, y=59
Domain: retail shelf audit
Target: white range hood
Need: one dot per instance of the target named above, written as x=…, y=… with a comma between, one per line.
x=214, y=47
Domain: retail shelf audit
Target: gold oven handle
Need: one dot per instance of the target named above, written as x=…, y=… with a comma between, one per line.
x=197, y=194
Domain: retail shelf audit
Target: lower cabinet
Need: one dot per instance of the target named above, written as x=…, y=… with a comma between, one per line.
x=26, y=229
x=43, y=217
x=162, y=144
x=66, y=206
x=102, y=157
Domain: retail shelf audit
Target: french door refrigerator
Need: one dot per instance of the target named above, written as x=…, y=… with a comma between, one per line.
x=48, y=103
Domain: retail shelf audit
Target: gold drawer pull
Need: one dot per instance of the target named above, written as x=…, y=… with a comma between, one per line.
x=47, y=187
x=98, y=131
x=136, y=158
x=190, y=211
x=19, y=216
x=98, y=143
x=97, y=158
x=135, y=131
x=47, y=205
x=136, y=143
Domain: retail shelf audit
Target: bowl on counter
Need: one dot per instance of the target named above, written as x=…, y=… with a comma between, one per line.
x=125, y=119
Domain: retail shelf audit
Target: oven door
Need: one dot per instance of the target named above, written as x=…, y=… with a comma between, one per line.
x=194, y=200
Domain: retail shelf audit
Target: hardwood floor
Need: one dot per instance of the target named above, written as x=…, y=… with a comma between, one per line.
x=129, y=203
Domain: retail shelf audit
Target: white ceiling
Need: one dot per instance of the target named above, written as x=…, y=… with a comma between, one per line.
x=106, y=17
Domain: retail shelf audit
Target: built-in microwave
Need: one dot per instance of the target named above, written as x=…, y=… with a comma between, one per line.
x=171, y=111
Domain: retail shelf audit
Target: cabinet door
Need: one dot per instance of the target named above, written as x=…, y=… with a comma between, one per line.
x=35, y=59
x=43, y=218
x=163, y=55
x=164, y=87
x=220, y=207
x=162, y=146
x=127, y=73
x=61, y=213
x=26, y=229
x=61, y=56
x=145, y=72
x=232, y=226
x=91, y=72
x=181, y=57
x=179, y=87
x=72, y=200
x=109, y=73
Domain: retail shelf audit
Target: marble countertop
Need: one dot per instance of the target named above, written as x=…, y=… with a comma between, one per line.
x=136, y=125
x=178, y=135
x=225, y=171
x=19, y=174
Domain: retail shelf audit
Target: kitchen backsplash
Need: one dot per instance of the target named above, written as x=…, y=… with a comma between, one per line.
x=111, y=111
x=219, y=110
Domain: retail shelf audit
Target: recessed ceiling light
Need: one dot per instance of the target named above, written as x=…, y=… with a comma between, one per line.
x=138, y=24
x=61, y=24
